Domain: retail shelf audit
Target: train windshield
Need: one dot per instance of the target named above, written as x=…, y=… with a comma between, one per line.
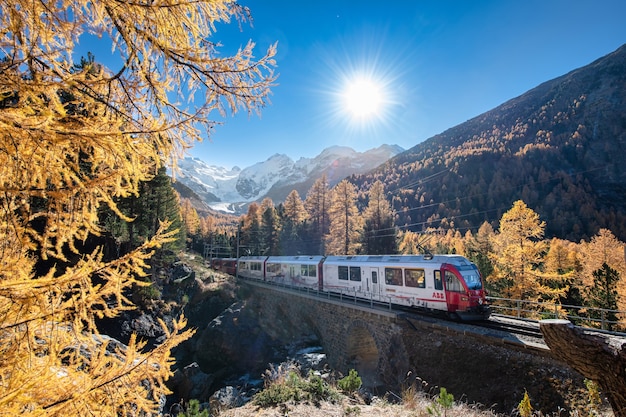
x=472, y=277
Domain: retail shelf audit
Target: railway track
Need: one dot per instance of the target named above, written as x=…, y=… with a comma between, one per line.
x=519, y=327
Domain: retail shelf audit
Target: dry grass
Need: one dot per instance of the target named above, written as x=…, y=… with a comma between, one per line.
x=330, y=402
x=348, y=407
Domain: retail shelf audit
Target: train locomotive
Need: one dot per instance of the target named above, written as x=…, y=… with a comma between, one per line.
x=446, y=283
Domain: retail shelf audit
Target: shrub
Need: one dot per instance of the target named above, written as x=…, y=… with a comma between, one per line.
x=443, y=403
x=351, y=383
x=193, y=410
x=292, y=387
x=594, y=395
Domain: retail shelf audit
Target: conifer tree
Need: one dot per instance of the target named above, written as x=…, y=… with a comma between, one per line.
x=409, y=243
x=158, y=202
x=479, y=247
x=74, y=139
x=603, y=248
x=317, y=203
x=270, y=229
x=250, y=235
x=518, y=253
x=603, y=295
x=293, y=230
x=190, y=217
x=344, y=237
x=379, y=233
x=294, y=208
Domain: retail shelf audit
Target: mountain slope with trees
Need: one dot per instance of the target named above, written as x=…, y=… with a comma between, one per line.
x=559, y=147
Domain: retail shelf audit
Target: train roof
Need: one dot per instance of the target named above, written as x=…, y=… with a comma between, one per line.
x=299, y=259
x=391, y=259
x=253, y=258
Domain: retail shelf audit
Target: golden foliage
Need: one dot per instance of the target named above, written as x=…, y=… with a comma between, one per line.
x=72, y=139
x=294, y=208
x=191, y=219
x=517, y=255
x=345, y=223
x=604, y=247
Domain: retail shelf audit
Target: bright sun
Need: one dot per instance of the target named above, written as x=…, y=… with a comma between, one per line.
x=363, y=98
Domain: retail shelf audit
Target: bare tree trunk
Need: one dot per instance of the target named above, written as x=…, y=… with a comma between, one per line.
x=600, y=358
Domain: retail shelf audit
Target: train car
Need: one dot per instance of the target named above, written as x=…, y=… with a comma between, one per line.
x=215, y=263
x=230, y=266
x=251, y=267
x=298, y=271
x=449, y=283
x=226, y=265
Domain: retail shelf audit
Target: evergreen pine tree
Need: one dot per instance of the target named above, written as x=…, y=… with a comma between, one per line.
x=603, y=295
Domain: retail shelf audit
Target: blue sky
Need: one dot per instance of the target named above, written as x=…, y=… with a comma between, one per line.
x=436, y=63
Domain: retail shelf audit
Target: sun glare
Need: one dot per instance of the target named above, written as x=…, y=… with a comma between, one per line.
x=360, y=86
x=363, y=98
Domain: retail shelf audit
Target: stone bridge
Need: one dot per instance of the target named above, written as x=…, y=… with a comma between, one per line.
x=392, y=352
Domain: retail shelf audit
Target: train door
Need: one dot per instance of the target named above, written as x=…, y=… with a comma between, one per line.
x=292, y=271
x=373, y=279
x=455, y=292
x=320, y=275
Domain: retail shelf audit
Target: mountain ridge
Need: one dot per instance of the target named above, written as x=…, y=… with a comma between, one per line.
x=231, y=190
x=557, y=146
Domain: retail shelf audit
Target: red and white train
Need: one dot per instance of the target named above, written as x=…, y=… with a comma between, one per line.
x=447, y=283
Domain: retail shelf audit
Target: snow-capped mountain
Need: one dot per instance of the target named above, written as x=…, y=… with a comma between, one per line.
x=228, y=190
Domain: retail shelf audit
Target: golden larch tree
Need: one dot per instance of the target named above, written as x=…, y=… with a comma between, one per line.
x=604, y=248
x=317, y=203
x=294, y=208
x=379, y=233
x=517, y=254
x=191, y=220
x=346, y=224
x=73, y=138
x=408, y=243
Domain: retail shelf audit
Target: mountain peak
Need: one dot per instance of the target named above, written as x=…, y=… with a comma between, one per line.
x=278, y=175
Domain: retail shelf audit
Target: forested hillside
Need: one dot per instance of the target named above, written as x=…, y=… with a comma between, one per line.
x=560, y=148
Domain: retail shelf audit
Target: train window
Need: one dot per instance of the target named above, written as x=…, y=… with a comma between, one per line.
x=393, y=276
x=374, y=277
x=472, y=279
x=355, y=273
x=415, y=278
x=438, y=281
x=453, y=283
x=308, y=271
x=273, y=268
x=342, y=272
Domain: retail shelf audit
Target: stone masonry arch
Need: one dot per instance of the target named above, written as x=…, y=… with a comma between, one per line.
x=363, y=353
x=391, y=350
